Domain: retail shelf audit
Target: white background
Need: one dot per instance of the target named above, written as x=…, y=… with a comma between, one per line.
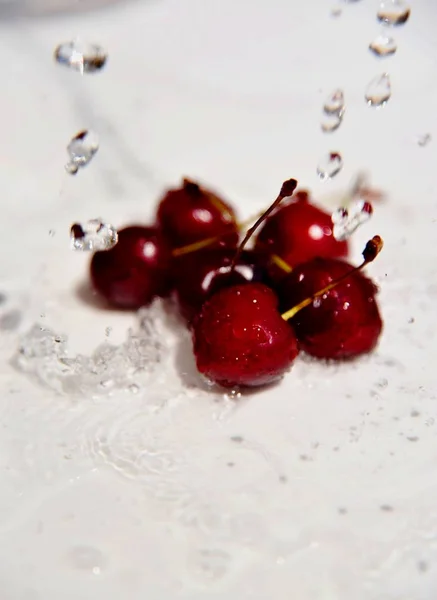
x=230, y=92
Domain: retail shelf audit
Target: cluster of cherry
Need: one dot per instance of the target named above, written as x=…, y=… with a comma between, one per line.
x=250, y=311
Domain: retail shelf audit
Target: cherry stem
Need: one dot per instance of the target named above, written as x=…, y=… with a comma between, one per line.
x=370, y=252
x=287, y=190
x=280, y=262
x=208, y=241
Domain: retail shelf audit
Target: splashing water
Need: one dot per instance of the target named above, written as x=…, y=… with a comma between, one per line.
x=81, y=150
x=92, y=236
x=81, y=56
x=347, y=220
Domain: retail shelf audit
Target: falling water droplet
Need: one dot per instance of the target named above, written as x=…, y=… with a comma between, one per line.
x=347, y=220
x=92, y=236
x=81, y=149
x=383, y=45
x=333, y=111
x=393, y=12
x=378, y=91
x=329, y=166
x=81, y=56
x=334, y=103
x=424, y=140
x=330, y=123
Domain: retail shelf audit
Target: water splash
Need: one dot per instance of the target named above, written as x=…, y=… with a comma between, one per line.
x=81, y=150
x=81, y=56
x=92, y=236
x=378, y=91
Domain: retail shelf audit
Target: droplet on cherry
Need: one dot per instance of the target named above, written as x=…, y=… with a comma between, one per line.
x=135, y=271
x=200, y=274
x=343, y=322
x=192, y=213
x=240, y=338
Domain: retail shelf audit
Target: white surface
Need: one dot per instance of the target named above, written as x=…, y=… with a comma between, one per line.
x=230, y=92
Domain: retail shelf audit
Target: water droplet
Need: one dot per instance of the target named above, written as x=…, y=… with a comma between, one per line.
x=336, y=11
x=134, y=388
x=393, y=12
x=334, y=102
x=330, y=122
x=383, y=45
x=92, y=236
x=52, y=232
x=424, y=139
x=329, y=166
x=378, y=91
x=233, y=394
x=347, y=220
x=81, y=56
x=81, y=149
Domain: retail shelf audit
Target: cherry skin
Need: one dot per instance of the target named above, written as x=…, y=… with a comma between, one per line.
x=191, y=213
x=135, y=270
x=200, y=274
x=240, y=338
x=343, y=323
x=298, y=231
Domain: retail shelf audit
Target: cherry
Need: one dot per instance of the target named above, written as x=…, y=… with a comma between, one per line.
x=135, y=270
x=192, y=213
x=240, y=338
x=298, y=231
x=335, y=314
x=198, y=275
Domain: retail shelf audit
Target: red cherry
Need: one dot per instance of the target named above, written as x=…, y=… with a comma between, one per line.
x=241, y=339
x=192, y=213
x=299, y=231
x=344, y=322
x=135, y=270
x=200, y=274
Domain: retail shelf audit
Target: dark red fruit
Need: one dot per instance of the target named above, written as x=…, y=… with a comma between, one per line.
x=192, y=213
x=200, y=274
x=343, y=323
x=298, y=231
x=241, y=339
x=135, y=270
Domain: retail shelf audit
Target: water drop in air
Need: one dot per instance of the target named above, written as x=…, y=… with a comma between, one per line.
x=81, y=149
x=334, y=103
x=393, y=12
x=383, y=45
x=333, y=111
x=330, y=123
x=92, y=236
x=81, y=56
x=347, y=220
x=378, y=91
x=329, y=166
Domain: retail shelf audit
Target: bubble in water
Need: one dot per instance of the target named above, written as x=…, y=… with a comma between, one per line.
x=424, y=139
x=347, y=220
x=393, y=12
x=81, y=56
x=383, y=45
x=378, y=91
x=81, y=150
x=329, y=166
x=233, y=394
x=92, y=236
